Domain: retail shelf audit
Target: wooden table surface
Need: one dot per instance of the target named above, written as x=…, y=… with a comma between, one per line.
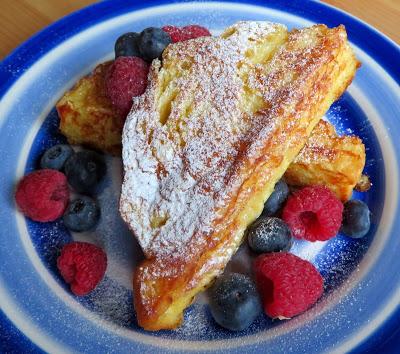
x=20, y=19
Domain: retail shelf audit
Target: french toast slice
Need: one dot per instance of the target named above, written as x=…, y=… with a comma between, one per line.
x=203, y=147
x=329, y=160
x=88, y=118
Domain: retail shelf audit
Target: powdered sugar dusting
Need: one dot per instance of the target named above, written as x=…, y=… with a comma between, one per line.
x=185, y=138
x=176, y=171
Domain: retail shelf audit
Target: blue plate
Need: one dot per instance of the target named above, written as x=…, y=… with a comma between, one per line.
x=360, y=307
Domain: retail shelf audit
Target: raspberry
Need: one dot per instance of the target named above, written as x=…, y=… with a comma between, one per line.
x=82, y=265
x=313, y=213
x=195, y=31
x=43, y=195
x=288, y=284
x=126, y=78
x=174, y=33
x=180, y=34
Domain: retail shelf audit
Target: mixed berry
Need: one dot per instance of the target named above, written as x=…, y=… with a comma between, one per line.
x=283, y=284
x=82, y=265
x=277, y=199
x=126, y=45
x=43, y=195
x=356, y=219
x=313, y=213
x=82, y=214
x=55, y=157
x=127, y=76
x=234, y=301
x=288, y=284
x=180, y=34
x=269, y=234
x=84, y=170
x=151, y=43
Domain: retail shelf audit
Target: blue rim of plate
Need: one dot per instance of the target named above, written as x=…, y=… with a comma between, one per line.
x=384, y=51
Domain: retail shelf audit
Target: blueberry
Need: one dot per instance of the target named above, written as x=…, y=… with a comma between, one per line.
x=152, y=42
x=356, y=219
x=55, y=157
x=126, y=45
x=276, y=199
x=82, y=214
x=84, y=170
x=234, y=302
x=268, y=234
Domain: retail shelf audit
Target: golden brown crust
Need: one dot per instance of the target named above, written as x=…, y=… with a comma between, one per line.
x=87, y=116
x=329, y=160
x=290, y=90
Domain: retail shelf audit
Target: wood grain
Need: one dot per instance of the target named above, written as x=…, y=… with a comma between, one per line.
x=20, y=19
x=384, y=15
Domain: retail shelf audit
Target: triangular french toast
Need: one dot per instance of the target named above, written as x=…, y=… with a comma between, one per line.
x=330, y=160
x=203, y=147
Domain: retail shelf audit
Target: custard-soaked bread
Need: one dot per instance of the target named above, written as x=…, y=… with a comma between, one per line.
x=203, y=147
x=87, y=116
x=330, y=160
